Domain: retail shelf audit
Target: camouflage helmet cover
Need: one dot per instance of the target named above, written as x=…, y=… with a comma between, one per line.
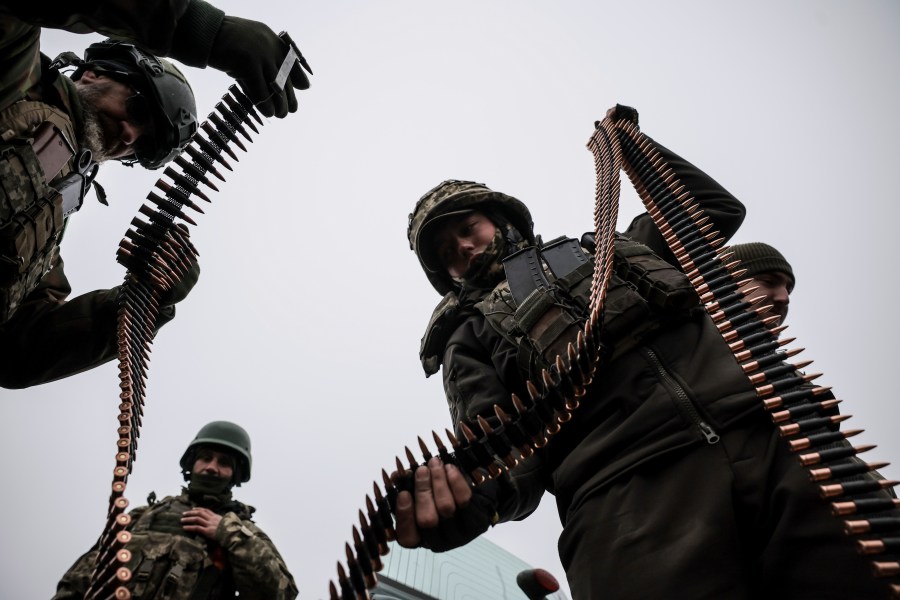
x=225, y=435
x=455, y=197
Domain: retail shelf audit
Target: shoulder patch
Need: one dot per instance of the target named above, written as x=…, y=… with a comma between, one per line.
x=442, y=323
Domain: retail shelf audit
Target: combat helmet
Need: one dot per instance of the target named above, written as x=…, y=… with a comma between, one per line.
x=455, y=197
x=227, y=436
x=164, y=98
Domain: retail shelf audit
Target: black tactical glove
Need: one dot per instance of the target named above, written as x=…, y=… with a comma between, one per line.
x=623, y=113
x=251, y=53
x=466, y=524
x=184, y=286
x=184, y=268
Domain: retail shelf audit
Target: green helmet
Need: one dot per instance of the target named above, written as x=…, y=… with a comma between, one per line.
x=451, y=198
x=226, y=436
x=164, y=97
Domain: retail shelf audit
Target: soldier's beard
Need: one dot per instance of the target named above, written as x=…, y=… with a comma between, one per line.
x=92, y=135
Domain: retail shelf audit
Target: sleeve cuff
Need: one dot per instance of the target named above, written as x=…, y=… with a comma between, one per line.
x=195, y=33
x=232, y=531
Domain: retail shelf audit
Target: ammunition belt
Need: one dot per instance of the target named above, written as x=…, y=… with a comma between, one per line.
x=803, y=418
x=485, y=451
x=31, y=222
x=801, y=410
x=157, y=253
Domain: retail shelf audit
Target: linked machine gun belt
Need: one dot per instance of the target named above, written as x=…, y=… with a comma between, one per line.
x=157, y=253
x=798, y=408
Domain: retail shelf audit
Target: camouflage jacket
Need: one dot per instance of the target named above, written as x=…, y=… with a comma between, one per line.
x=168, y=562
x=50, y=336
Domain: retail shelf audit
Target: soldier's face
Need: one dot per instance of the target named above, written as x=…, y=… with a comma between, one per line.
x=213, y=462
x=106, y=102
x=461, y=239
x=774, y=285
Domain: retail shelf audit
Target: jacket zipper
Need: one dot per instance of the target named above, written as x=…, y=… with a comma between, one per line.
x=684, y=401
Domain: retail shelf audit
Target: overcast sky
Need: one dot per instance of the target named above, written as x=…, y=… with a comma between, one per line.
x=306, y=321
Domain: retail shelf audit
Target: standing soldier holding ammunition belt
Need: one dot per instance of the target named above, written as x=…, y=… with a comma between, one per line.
x=670, y=480
x=121, y=103
x=201, y=544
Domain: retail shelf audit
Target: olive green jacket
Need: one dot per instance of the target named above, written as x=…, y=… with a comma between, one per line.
x=649, y=401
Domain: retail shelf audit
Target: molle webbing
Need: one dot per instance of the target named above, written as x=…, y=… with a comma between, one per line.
x=157, y=252
x=527, y=311
x=175, y=562
x=35, y=158
x=31, y=223
x=484, y=449
x=643, y=295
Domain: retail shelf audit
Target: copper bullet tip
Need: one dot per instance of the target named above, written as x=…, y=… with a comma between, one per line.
x=467, y=433
x=485, y=426
x=870, y=546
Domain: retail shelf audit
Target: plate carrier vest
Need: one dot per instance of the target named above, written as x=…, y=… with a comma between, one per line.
x=545, y=298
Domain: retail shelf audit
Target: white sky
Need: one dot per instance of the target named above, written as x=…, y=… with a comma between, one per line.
x=306, y=322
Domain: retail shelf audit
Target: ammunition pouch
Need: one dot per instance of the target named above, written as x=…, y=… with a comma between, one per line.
x=165, y=566
x=544, y=302
x=33, y=211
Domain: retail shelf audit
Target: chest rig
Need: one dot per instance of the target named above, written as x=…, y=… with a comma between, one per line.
x=43, y=179
x=168, y=563
x=544, y=301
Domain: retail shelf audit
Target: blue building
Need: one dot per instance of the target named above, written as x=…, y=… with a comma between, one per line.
x=480, y=570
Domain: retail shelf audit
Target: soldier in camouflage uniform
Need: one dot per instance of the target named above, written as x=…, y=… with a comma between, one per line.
x=670, y=480
x=201, y=544
x=122, y=103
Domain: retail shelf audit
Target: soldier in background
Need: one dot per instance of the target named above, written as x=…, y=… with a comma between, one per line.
x=770, y=273
x=121, y=103
x=201, y=544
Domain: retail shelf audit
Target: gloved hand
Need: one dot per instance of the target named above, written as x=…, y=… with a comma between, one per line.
x=467, y=524
x=187, y=272
x=443, y=511
x=251, y=53
x=184, y=286
x=620, y=112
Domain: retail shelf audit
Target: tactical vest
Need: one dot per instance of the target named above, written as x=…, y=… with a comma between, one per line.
x=545, y=299
x=169, y=564
x=42, y=180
